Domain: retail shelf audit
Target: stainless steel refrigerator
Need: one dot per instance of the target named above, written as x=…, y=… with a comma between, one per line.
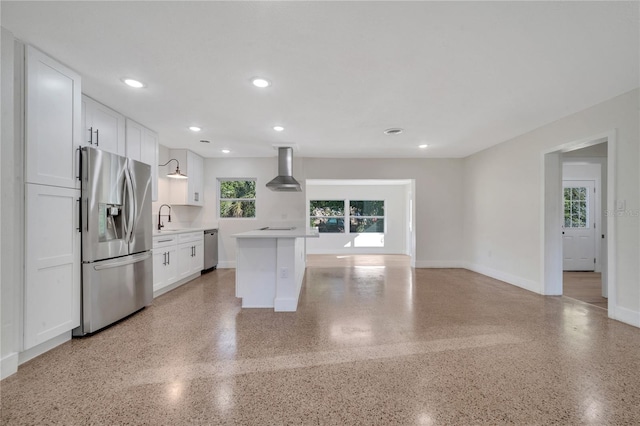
x=116, y=225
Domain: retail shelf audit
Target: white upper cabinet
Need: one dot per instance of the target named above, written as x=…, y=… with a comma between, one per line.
x=102, y=127
x=134, y=139
x=142, y=145
x=187, y=191
x=52, y=121
x=196, y=180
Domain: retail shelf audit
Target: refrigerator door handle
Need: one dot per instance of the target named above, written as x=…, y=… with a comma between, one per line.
x=128, y=260
x=131, y=213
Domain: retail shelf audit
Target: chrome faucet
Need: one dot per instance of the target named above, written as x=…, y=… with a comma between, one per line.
x=160, y=225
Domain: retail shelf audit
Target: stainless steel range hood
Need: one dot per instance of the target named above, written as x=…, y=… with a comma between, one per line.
x=284, y=181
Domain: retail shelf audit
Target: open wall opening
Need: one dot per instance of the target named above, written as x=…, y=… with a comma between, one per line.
x=584, y=249
x=578, y=233
x=355, y=216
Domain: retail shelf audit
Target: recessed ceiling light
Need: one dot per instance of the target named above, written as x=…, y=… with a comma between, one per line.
x=195, y=128
x=278, y=128
x=225, y=151
x=393, y=131
x=133, y=83
x=423, y=146
x=260, y=82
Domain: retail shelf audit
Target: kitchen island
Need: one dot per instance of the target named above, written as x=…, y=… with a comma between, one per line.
x=270, y=266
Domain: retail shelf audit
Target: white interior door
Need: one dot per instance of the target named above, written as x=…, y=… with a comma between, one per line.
x=578, y=239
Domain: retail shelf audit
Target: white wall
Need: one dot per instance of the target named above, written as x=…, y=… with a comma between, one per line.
x=438, y=187
x=503, y=195
x=272, y=208
x=393, y=240
x=11, y=225
x=438, y=199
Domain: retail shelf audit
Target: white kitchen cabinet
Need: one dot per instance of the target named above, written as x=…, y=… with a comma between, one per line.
x=190, y=254
x=52, y=263
x=177, y=258
x=52, y=121
x=102, y=127
x=133, y=139
x=165, y=261
x=142, y=145
x=187, y=191
x=149, y=155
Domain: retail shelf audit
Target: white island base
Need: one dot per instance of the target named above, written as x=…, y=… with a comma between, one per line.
x=270, y=268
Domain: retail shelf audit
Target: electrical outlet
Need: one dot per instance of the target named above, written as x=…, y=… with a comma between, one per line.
x=284, y=272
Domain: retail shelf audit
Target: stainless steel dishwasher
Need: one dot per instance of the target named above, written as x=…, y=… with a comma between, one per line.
x=210, y=249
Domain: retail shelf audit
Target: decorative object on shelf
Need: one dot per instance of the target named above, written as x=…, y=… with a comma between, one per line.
x=177, y=174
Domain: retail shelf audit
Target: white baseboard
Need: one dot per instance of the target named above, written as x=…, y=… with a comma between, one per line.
x=38, y=350
x=227, y=264
x=352, y=251
x=439, y=264
x=9, y=365
x=625, y=315
x=506, y=277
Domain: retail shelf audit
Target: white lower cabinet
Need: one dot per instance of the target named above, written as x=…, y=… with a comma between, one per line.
x=52, y=263
x=176, y=257
x=190, y=253
x=165, y=261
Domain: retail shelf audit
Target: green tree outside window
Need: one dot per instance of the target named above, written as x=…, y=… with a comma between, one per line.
x=237, y=198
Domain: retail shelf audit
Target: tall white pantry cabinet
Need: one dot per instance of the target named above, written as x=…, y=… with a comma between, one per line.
x=52, y=95
x=58, y=120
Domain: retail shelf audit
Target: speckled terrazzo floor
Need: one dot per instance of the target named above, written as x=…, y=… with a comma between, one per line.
x=373, y=344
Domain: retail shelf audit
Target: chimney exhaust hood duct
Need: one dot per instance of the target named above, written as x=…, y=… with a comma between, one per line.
x=284, y=182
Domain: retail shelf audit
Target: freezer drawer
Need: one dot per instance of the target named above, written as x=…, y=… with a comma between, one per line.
x=113, y=289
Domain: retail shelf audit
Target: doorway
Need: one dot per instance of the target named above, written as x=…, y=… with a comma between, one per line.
x=578, y=236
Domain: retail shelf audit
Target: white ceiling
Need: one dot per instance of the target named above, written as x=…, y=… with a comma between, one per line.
x=459, y=76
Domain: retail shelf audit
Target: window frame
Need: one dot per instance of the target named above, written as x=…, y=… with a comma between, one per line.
x=343, y=217
x=346, y=217
x=571, y=202
x=383, y=217
x=220, y=199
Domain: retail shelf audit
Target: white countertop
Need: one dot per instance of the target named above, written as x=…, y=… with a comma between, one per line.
x=273, y=233
x=157, y=233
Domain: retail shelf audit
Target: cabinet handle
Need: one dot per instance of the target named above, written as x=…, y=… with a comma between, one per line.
x=91, y=135
x=164, y=258
x=164, y=241
x=97, y=137
x=168, y=258
x=79, y=162
x=79, y=214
